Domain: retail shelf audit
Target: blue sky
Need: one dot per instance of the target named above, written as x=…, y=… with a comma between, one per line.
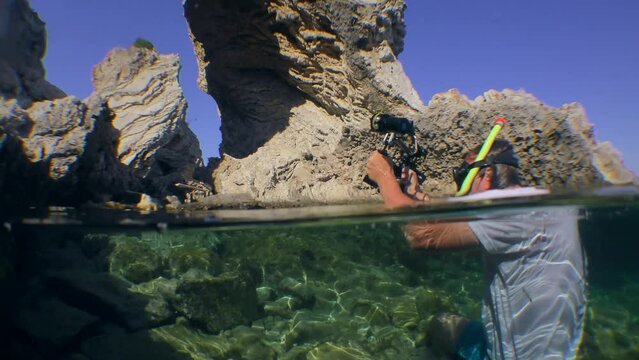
x=561, y=51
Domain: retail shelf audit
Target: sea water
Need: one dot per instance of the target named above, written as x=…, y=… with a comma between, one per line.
x=329, y=282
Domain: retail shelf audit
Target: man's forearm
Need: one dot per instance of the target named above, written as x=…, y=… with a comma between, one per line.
x=440, y=236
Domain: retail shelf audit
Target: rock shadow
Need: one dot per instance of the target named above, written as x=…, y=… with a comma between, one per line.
x=62, y=302
x=23, y=184
x=244, y=70
x=105, y=293
x=610, y=245
x=95, y=175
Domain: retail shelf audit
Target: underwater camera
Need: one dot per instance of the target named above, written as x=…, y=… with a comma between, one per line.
x=385, y=123
x=399, y=134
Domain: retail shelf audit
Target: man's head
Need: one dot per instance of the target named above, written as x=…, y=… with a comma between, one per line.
x=499, y=170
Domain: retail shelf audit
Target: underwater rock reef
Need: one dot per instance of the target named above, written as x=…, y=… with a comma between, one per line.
x=296, y=83
x=250, y=294
x=352, y=291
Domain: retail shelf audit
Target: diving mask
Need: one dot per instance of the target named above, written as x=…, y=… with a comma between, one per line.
x=506, y=157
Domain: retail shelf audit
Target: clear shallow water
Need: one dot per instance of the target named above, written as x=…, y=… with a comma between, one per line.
x=334, y=282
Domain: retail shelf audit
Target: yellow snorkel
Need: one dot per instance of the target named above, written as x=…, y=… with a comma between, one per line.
x=488, y=144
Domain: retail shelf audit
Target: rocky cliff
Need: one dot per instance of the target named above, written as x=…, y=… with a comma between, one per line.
x=556, y=146
x=22, y=46
x=142, y=89
x=58, y=152
x=294, y=81
x=131, y=134
x=297, y=82
x=54, y=149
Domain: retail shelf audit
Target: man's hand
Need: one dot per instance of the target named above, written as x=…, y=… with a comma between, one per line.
x=379, y=168
x=411, y=185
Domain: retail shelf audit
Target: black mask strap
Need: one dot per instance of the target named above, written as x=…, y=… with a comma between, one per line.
x=506, y=157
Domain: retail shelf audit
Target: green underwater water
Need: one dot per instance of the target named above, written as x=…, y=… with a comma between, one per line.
x=283, y=287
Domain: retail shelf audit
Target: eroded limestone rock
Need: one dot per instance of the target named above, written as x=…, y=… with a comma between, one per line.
x=54, y=149
x=291, y=78
x=556, y=146
x=296, y=83
x=142, y=88
x=22, y=47
x=59, y=151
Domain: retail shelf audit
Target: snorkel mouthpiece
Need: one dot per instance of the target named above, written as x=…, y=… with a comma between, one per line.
x=485, y=148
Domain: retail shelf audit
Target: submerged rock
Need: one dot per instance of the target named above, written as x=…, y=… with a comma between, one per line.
x=404, y=312
x=338, y=352
x=374, y=313
x=284, y=307
x=191, y=342
x=301, y=291
x=135, y=260
x=118, y=344
x=8, y=257
x=309, y=331
x=239, y=343
x=217, y=303
x=52, y=321
x=160, y=292
x=265, y=294
x=100, y=293
x=191, y=255
x=252, y=344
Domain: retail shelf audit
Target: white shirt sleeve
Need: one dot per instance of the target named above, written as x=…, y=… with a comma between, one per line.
x=505, y=235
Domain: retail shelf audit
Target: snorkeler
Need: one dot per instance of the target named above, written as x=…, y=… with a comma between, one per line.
x=535, y=296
